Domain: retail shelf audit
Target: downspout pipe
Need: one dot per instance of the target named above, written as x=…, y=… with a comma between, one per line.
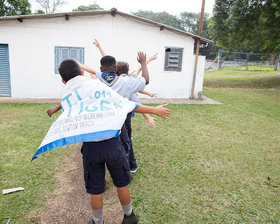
x=197, y=47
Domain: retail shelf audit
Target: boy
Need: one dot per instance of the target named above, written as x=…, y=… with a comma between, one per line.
x=100, y=152
x=125, y=86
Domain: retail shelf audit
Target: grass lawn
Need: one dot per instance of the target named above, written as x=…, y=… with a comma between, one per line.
x=211, y=163
x=22, y=128
x=242, y=79
x=206, y=164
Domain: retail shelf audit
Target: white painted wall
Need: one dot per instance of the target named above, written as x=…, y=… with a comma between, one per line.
x=31, y=51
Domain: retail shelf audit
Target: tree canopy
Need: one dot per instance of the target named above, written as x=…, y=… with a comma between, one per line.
x=93, y=6
x=186, y=21
x=190, y=23
x=249, y=24
x=160, y=17
x=14, y=7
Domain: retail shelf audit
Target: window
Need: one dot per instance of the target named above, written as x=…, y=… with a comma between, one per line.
x=173, y=59
x=62, y=53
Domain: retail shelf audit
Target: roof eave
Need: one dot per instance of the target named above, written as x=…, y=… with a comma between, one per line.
x=103, y=12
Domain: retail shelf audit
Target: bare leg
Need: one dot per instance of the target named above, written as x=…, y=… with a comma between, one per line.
x=97, y=208
x=97, y=201
x=124, y=195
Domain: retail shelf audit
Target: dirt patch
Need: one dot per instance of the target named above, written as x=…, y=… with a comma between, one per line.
x=1, y=120
x=71, y=204
x=5, y=118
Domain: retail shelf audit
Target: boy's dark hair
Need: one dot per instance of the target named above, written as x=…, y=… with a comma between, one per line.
x=107, y=61
x=69, y=69
x=122, y=68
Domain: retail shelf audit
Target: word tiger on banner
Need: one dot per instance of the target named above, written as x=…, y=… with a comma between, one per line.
x=91, y=111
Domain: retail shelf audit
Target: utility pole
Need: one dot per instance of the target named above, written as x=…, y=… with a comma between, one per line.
x=197, y=46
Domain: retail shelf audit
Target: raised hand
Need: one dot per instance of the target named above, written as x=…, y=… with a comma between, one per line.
x=154, y=57
x=96, y=43
x=141, y=57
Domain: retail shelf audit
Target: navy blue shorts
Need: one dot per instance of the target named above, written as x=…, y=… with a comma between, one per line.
x=95, y=156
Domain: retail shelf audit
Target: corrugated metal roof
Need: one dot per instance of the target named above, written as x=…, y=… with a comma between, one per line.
x=114, y=12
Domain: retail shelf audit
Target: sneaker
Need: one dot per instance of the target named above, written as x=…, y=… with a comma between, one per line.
x=134, y=170
x=131, y=219
x=91, y=221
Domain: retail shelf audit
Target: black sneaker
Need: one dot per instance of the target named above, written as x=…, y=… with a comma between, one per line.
x=134, y=170
x=92, y=222
x=131, y=219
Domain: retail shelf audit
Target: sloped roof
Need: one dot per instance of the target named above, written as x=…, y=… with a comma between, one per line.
x=113, y=12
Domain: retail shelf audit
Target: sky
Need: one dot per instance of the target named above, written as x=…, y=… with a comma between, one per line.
x=174, y=7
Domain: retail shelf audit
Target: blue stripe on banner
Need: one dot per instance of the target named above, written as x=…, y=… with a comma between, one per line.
x=77, y=138
x=136, y=105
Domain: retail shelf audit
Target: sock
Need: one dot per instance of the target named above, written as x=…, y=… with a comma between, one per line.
x=127, y=209
x=98, y=216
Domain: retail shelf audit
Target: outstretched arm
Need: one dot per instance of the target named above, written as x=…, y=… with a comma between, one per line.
x=142, y=60
x=86, y=68
x=132, y=72
x=154, y=57
x=148, y=93
x=53, y=110
x=97, y=44
x=160, y=110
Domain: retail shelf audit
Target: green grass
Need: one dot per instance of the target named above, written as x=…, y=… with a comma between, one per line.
x=245, y=79
x=205, y=164
x=22, y=128
x=259, y=68
x=210, y=163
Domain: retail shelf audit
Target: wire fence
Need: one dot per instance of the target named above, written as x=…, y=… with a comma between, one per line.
x=243, y=61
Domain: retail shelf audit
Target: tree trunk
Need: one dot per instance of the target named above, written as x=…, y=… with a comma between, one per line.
x=272, y=60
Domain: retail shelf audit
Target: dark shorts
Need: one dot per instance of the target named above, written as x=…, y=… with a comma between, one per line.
x=95, y=156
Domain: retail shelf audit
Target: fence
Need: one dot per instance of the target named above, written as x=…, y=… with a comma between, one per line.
x=242, y=61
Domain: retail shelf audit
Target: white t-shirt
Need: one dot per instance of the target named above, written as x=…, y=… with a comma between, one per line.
x=127, y=85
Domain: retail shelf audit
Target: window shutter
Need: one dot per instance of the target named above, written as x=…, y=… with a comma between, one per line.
x=74, y=54
x=5, y=87
x=81, y=54
x=57, y=59
x=173, y=59
x=63, y=53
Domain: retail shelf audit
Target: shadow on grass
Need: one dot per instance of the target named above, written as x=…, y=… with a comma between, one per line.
x=244, y=82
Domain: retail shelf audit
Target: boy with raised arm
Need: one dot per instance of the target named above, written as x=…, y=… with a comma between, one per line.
x=125, y=86
x=102, y=147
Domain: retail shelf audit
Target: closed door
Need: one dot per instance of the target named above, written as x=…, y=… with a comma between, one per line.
x=5, y=86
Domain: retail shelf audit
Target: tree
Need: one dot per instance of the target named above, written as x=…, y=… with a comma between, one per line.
x=249, y=24
x=161, y=17
x=50, y=6
x=39, y=11
x=93, y=6
x=14, y=7
x=187, y=21
x=190, y=23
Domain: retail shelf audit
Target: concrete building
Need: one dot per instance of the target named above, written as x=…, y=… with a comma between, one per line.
x=32, y=47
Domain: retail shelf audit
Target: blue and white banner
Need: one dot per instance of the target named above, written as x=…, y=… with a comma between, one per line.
x=91, y=111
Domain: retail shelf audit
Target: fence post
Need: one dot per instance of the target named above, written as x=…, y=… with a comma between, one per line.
x=276, y=63
x=247, y=56
x=220, y=60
